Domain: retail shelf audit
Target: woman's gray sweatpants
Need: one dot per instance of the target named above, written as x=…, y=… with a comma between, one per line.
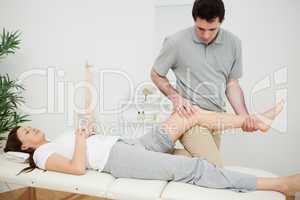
x=147, y=158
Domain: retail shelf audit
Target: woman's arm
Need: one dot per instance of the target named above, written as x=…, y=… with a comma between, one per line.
x=76, y=166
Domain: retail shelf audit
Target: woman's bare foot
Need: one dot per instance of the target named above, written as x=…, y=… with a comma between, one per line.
x=265, y=119
x=291, y=185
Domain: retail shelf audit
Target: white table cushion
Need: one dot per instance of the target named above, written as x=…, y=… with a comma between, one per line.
x=104, y=185
x=176, y=191
x=136, y=189
x=92, y=183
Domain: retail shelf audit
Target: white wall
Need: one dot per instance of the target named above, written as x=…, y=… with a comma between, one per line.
x=269, y=42
x=116, y=35
x=268, y=32
x=63, y=34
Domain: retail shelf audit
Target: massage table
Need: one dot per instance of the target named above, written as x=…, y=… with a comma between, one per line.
x=104, y=185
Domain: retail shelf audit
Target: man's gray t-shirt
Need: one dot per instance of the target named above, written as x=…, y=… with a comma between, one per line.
x=202, y=71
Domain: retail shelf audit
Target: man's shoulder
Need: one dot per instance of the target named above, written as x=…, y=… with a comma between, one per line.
x=230, y=37
x=181, y=36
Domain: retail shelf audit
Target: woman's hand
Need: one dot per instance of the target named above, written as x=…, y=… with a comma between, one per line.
x=83, y=132
x=76, y=165
x=92, y=130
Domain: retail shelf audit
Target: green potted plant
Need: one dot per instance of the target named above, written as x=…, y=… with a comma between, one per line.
x=9, y=43
x=10, y=90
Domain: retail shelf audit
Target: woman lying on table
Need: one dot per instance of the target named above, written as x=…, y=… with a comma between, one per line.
x=147, y=157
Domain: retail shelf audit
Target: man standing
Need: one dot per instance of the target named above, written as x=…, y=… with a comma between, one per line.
x=207, y=63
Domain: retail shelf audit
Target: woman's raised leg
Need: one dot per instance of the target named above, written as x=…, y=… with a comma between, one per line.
x=176, y=125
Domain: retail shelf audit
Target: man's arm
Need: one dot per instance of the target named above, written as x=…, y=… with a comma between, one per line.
x=163, y=85
x=181, y=105
x=166, y=59
x=235, y=96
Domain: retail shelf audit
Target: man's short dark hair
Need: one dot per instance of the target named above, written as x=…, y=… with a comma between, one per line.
x=208, y=10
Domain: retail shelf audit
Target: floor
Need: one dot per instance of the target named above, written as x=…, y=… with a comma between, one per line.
x=43, y=194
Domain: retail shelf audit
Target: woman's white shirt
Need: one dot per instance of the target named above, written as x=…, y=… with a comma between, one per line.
x=98, y=148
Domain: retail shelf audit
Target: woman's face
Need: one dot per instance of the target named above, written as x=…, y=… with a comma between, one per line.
x=30, y=137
